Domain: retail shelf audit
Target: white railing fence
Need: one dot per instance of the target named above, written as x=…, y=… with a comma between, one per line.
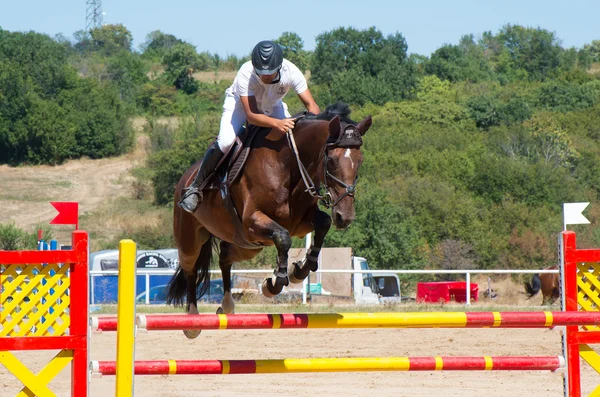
x=149, y=273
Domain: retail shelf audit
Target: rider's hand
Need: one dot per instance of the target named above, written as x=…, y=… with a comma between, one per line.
x=284, y=125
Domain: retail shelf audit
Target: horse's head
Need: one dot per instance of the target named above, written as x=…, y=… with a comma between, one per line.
x=343, y=158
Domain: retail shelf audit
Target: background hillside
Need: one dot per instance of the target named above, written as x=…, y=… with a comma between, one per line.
x=473, y=148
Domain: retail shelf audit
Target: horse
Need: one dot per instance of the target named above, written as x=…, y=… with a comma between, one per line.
x=549, y=283
x=276, y=197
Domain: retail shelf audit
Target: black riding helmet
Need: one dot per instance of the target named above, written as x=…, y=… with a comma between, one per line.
x=267, y=57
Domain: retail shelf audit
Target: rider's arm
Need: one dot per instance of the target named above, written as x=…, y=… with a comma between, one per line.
x=255, y=117
x=309, y=102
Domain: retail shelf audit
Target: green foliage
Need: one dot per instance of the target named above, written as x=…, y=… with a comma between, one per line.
x=13, y=238
x=520, y=52
x=191, y=141
x=435, y=104
x=363, y=66
x=565, y=97
x=463, y=62
x=552, y=144
x=293, y=49
x=158, y=44
x=180, y=64
x=47, y=113
x=111, y=39
x=381, y=232
x=489, y=110
x=594, y=50
x=128, y=73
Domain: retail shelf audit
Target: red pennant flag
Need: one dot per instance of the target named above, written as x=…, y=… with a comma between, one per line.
x=68, y=213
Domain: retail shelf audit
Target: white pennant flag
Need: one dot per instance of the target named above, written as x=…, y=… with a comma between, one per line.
x=572, y=214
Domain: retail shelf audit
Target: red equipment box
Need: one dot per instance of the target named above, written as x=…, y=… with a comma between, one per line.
x=445, y=291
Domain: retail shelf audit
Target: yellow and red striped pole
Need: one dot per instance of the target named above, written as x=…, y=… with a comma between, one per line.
x=438, y=363
x=358, y=320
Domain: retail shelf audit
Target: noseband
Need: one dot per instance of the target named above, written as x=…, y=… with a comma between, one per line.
x=350, y=137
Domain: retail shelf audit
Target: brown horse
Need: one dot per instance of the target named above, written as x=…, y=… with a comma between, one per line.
x=274, y=200
x=549, y=283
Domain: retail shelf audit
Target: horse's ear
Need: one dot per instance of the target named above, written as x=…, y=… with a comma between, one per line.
x=364, y=125
x=334, y=127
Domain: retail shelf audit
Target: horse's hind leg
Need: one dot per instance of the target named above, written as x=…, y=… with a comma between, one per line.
x=195, y=252
x=298, y=271
x=229, y=254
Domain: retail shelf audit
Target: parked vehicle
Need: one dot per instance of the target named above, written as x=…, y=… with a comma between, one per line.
x=363, y=288
x=373, y=289
x=158, y=294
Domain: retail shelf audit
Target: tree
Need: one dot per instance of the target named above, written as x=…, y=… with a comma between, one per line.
x=458, y=63
x=364, y=66
x=157, y=44
x=594, y=50
x=43, y=114
x=128, y=73
x=552, y=144
x=536, y=52
x=345, y=49
x=383, y=233
x=181, y=63
x=293, y=49
x=111, y=38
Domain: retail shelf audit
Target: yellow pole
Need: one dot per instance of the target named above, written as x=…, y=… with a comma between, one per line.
x=387, y=320
x=126, y=319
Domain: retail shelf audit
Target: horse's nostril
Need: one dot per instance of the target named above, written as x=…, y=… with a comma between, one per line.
x=337, y=218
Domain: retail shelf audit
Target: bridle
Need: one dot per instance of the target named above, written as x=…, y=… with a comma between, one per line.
x=350, y=137
x=350, y=189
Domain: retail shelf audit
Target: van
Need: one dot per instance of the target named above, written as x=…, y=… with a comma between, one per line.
x=104, y=267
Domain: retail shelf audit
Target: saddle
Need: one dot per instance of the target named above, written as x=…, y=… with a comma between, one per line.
x=227, y=172
x=231, y=166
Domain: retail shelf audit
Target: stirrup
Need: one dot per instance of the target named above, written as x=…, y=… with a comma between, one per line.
x=190, y=200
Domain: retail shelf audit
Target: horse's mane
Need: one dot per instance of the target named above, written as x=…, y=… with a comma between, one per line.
x=340, y=109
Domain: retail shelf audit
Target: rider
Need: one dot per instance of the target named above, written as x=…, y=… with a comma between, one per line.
x=256, y=96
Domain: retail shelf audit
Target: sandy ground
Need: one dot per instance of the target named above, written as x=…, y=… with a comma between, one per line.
x=273, y=344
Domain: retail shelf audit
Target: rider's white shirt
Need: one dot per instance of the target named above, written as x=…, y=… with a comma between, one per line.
x=268, y=96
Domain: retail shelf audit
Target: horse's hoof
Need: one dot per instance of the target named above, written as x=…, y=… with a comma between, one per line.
x=220, y=310
x=270, y=289
x=265, y=289
x=191, y=333
x=292, y=275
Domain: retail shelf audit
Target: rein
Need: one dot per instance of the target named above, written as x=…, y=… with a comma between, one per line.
x=310, y=185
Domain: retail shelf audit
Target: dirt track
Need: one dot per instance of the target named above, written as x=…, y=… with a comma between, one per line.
x=25, y=192
x=269, y=344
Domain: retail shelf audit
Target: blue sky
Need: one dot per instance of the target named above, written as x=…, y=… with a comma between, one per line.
x=234, y=27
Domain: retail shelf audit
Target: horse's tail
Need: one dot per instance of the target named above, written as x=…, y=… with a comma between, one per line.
x=177, y=287
x=534, y=287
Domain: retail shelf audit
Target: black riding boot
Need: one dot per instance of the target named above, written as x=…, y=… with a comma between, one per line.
x=193, y=195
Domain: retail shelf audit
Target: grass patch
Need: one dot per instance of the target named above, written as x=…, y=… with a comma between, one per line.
x=24, y=196
x=64, y=184
x=148, y=225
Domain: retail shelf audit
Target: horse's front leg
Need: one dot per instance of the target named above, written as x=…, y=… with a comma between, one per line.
x=298, y=271
x=262, y=227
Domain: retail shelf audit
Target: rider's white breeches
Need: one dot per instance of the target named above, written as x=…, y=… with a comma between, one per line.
x=234, y=117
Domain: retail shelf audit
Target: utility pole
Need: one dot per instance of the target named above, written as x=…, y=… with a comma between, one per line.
x=93, y=14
